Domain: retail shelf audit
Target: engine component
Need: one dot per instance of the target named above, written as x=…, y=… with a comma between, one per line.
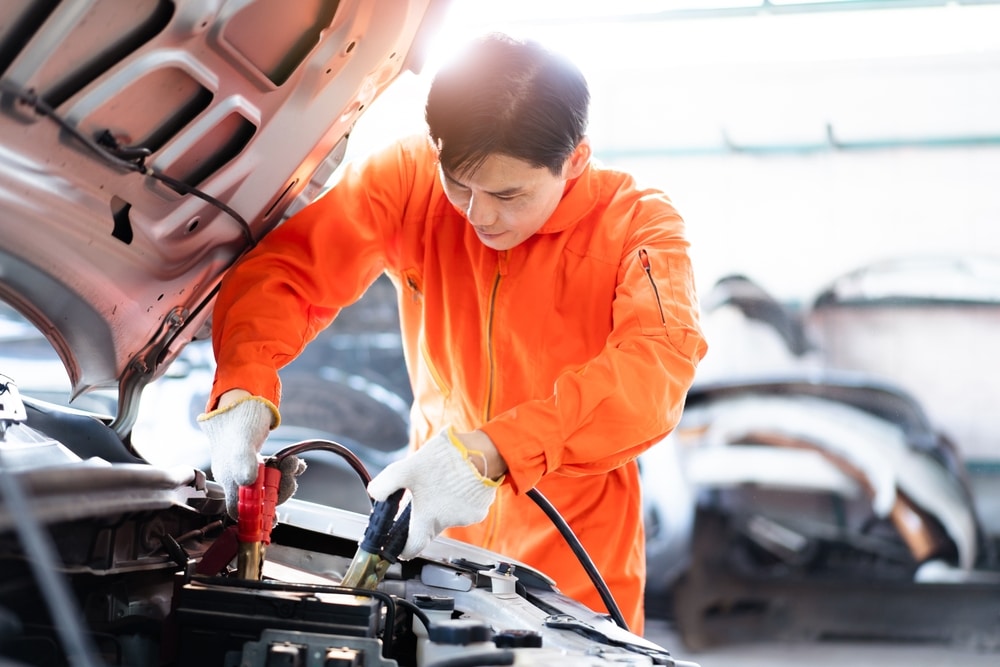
x=256, y=508
x=381, y=545
x=216, y=617
x=305, y=649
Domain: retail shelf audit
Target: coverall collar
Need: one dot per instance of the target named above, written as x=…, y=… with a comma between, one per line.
x=577, y=201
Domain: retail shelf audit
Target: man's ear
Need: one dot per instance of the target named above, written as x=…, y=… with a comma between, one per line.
x=578, y=159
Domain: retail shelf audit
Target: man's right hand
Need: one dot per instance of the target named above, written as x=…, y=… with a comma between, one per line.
x=236, y=432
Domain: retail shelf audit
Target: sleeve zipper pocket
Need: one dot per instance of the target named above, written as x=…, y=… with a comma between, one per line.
x=644, y=260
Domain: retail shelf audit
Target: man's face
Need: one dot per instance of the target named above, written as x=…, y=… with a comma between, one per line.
x=506, y=200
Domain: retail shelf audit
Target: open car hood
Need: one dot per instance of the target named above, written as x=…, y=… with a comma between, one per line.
x=144, y=146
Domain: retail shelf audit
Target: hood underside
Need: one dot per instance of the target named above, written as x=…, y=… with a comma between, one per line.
x=144, y=146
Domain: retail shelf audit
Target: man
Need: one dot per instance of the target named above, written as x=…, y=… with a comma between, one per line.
x=547, y=308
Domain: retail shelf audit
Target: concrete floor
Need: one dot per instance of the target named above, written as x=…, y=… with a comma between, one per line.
x=819, y=654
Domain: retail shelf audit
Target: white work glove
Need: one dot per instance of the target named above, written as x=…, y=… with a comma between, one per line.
x=236, y=434
x=445, y=487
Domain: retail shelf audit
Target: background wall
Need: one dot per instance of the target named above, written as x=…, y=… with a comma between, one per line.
x=793, y=223
x=798, y=145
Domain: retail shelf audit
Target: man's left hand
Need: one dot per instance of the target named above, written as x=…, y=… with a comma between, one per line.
x=445, y=485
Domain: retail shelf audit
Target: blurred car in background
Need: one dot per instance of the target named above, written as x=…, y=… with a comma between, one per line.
x=826, y=483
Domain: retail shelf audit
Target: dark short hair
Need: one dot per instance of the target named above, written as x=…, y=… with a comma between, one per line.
x=508, y=97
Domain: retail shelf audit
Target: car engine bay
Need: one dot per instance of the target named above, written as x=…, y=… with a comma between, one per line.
x=114, y=562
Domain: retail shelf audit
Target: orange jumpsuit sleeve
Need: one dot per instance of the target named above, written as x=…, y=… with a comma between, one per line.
x=607, y=411
x=280, y=295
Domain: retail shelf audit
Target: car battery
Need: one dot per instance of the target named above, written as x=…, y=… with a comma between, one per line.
x=213, y=619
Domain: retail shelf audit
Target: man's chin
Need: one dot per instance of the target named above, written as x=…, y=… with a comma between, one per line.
x=500, y=241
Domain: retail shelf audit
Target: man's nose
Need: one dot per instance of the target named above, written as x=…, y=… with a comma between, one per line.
x=479, y=212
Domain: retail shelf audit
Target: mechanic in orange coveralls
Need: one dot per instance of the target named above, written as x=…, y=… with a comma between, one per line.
x=548, y=317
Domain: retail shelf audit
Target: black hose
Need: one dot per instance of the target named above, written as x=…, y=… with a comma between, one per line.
x=581, y=554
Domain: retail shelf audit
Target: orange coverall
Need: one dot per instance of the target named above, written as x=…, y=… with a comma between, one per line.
x=573, y=351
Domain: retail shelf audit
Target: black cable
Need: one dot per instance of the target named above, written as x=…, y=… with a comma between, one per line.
x=183, y=188
x=327, y=446
x=585, y=560
x=199, y=532
x=111, y=155
x=416, y=610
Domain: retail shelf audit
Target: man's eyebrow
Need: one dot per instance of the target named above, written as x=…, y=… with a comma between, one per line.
x=508, y=192
x=500, y=193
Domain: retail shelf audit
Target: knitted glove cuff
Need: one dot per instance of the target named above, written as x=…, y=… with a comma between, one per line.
x=250, y=410
x=467, y=455
x=235, y=436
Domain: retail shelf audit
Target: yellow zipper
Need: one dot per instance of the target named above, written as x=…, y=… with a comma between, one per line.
x=495, y=509
x=491, y=368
